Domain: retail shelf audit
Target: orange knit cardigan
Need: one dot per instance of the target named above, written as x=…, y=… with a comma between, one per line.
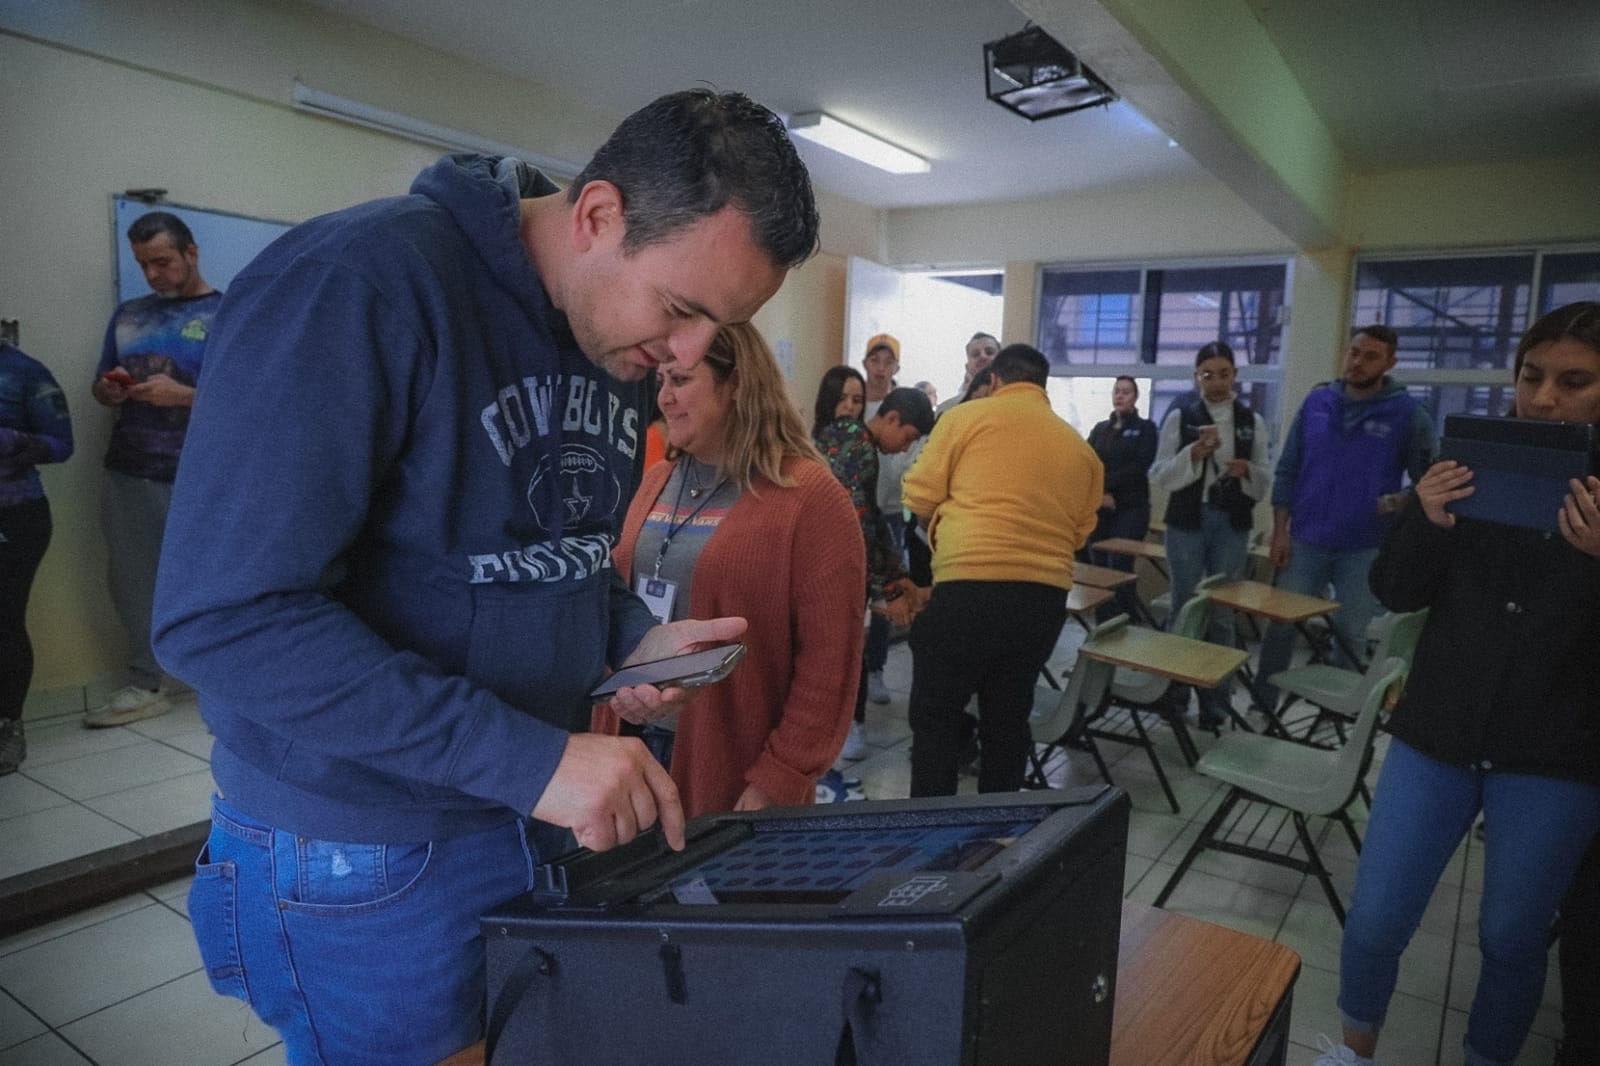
x=792, y=562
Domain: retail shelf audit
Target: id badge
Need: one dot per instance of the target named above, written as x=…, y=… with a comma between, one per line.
x=658, y=594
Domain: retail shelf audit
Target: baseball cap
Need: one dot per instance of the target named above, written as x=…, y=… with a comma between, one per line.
x=883, y=340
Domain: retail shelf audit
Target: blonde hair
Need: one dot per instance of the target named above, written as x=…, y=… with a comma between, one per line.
x=763, y=426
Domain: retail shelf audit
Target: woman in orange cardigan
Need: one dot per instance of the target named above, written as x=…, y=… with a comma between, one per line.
x=749, y=521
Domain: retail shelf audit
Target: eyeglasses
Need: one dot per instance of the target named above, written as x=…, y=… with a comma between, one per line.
x=1213, y=375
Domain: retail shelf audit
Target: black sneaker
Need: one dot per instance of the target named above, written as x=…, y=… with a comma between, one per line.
x=13, y=745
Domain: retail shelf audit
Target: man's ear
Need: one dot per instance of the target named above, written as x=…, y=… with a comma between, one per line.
x=597, y=216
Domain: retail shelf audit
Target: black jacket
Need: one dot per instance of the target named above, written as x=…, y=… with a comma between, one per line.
x=1127, y=453
x=1507, y=673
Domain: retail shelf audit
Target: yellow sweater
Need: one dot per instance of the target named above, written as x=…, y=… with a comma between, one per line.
x=1010, y=488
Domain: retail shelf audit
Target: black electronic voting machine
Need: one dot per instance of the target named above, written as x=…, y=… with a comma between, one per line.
x=965, y=930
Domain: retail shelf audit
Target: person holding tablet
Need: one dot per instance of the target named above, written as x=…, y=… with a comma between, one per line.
x=748, y=521
x=1501, y=714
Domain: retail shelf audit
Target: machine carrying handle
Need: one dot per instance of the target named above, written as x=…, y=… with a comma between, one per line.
x=536, y=963
x=859, y=998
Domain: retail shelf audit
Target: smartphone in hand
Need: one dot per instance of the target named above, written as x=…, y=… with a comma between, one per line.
x=121, y=377
x=689, y=670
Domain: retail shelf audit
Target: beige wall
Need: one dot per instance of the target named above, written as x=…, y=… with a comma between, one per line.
x=115, y=102
x=1542, y=201
x=87, y=129
x=809, y=313
x=1164, y=219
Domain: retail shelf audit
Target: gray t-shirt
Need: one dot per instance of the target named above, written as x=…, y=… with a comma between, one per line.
x=693, y=502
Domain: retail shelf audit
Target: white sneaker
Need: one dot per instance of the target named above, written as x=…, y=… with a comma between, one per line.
x=131, y=704
x=1338, y=1055
x=855, y=745
x=877, y=691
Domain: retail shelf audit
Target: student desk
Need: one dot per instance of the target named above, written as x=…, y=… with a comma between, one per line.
x=1189, y=993
x=1084, y=600
x=1139, y=549
x=1100, y=577
x=1107, y=578
x=1183, y=659
x=1192, y=662
x=1261, y=600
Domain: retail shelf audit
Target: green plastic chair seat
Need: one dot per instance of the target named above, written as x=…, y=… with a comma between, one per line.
x=1303, y=780
x=1339, y=691
x=1331, y=687
x=1291, y=775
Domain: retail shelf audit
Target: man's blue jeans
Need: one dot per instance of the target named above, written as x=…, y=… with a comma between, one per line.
x=355, y=953
x=1536, y=829
x=1311, y=570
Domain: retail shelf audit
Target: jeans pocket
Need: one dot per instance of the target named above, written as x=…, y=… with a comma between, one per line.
x=340, y=879
x=214, y=913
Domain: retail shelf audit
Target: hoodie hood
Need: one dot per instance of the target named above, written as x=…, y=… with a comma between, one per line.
x=484, y=196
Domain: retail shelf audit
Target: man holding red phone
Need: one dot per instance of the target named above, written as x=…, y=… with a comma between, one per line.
x=148, y=369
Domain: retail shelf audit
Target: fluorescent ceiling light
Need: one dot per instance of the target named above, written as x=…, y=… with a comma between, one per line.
x=822, y=128
x=316, y=102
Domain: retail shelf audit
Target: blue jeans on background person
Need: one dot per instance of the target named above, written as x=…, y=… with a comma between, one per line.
x=357, y=953
x=1310, y=571
x=1535, y=831
x=1193, y=555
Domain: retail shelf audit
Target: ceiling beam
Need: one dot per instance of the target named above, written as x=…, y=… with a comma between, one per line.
x=1208, y=76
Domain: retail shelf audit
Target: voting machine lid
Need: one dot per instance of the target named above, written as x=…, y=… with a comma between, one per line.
x=903, y=858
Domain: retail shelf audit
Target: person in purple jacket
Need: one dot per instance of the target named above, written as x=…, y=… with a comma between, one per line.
x=34, y=429
x=1353, y=446
x=388, y=565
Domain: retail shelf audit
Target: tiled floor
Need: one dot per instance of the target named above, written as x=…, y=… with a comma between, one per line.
x=81, y=790
x=120, y=985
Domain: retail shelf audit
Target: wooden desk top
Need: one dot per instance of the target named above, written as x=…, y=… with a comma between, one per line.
x=1124, y=546
x=1192, y=992
x=1100, y=577
x=1081, y=599
x=1273, y=604
x=1194, y=662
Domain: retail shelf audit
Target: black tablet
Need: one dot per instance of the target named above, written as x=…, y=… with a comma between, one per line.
x=1520, y=466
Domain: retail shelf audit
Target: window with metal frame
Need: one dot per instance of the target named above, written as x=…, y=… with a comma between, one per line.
x=1459, y=317
x=1147, y=320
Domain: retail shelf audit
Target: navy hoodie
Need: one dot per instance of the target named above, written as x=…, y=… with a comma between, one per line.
x=387, y=563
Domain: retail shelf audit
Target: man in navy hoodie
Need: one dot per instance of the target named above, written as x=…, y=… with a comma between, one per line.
x=387, y=569
x=1337, y=484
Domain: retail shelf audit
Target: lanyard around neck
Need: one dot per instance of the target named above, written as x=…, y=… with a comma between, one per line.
x=673, y=524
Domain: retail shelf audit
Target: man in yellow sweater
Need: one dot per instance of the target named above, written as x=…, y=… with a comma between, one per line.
x=1008, y=492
